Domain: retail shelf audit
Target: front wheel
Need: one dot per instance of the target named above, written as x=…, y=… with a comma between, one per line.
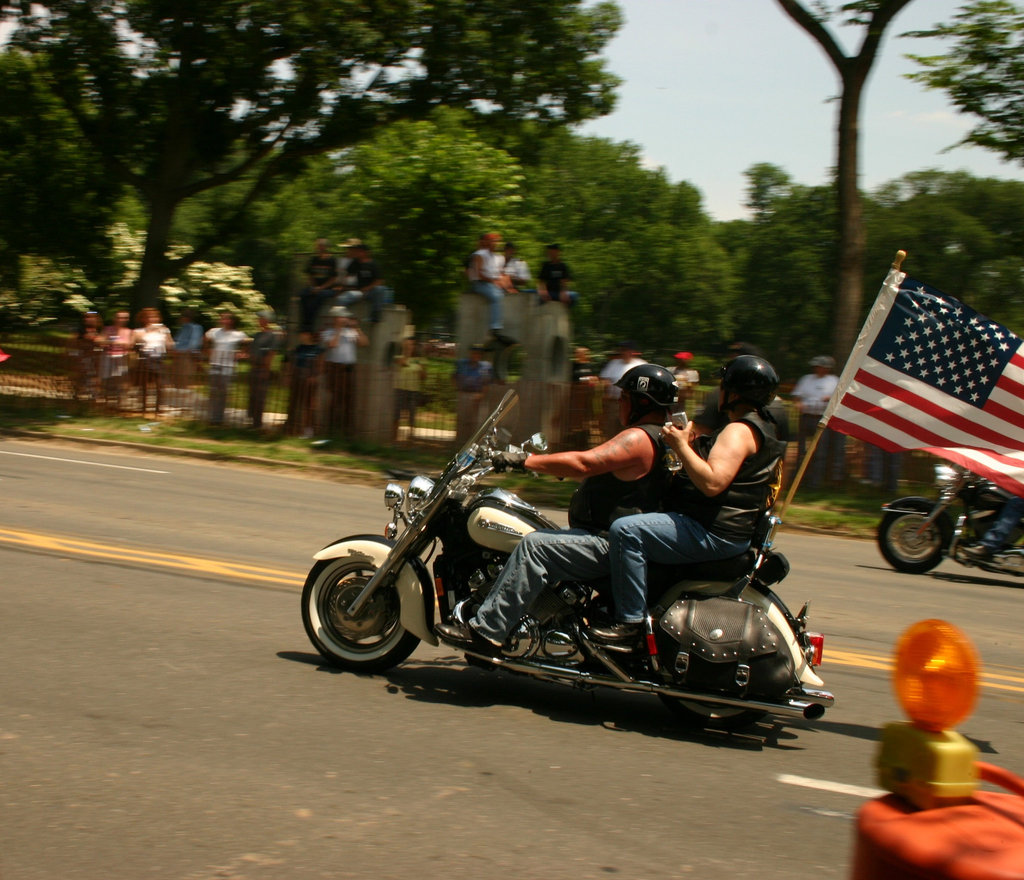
x=371, y=642
x=907, y=547
x=716, y=717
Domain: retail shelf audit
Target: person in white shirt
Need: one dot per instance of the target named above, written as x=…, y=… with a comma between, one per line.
x=812, y=394
x=484, y=279
x=224, y=347
x=340, y=343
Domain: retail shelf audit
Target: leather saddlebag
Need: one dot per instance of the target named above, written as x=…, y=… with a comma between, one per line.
x=726, y=645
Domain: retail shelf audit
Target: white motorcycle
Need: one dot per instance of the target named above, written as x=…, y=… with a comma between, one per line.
x=723, y=650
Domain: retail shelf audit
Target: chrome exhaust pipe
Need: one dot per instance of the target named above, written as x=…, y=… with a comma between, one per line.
x=810, y=704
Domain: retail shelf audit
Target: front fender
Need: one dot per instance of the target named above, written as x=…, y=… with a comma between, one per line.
x=415, y=593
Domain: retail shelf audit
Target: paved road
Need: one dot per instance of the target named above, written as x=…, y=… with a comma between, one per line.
x=162, y=713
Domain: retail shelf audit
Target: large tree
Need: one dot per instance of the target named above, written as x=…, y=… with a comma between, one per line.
x=874, y=16
x=983, y=72
x=181, y=97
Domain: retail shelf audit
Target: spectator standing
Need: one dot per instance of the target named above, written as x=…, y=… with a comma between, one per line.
x=583, y=399
x=554, y=279
x=265, y=344
x=302, y=396
x=225, y=347
x=473, y=375
x=322, y=271
x=484, y=278
x=626, y=357
x=188, y=348
x=412, y=373
x=686, y=377
x=84, y=354
x=812, y=394
x=339, y=344
x=116, y=343
x=153, y=341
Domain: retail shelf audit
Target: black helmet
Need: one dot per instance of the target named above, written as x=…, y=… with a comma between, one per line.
x=651, y=381
x=752, y=379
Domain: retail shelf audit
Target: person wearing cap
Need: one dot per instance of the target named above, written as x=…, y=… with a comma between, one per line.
x=554, y=278
x=340, y=343
x=627, y=356
x=264, y=345
x=812, y=394
x=322, y=271
x=625, y=475
x=484, y=277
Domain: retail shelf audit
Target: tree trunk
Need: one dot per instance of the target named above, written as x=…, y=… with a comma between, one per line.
x=850, y=283
x=153, y=271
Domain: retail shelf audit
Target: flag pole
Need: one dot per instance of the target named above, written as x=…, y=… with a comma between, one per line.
x=897, y=264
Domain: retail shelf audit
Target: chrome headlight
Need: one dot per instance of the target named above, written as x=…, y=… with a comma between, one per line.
x=419, y=491
x=394, y=495
x=945, y=476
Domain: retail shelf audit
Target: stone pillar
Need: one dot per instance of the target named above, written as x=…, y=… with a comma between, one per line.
x=373, y=419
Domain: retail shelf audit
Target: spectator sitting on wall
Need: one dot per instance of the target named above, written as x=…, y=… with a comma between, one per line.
x=554, y=279
x=367, y=282
x=514, y=272
x=322, y=270
x=484, y=278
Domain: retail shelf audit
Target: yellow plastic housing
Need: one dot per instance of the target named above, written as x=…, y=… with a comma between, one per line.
x=927, y=768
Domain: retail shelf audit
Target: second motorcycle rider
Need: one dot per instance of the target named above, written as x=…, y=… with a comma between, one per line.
x=625, y=475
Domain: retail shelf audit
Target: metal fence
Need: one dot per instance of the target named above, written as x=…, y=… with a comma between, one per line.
x=291, y=399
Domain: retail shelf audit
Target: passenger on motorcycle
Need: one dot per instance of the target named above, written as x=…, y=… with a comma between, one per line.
x=728, y=479
x=622, y=476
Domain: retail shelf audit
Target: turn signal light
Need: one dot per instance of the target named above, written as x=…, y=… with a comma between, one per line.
x=817, y=641
x=936, y=675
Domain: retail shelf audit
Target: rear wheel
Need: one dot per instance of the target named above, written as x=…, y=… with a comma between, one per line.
x=707, y=715
x=907, y=546
x=371, y=641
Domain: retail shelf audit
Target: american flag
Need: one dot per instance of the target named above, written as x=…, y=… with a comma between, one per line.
x=929, y=372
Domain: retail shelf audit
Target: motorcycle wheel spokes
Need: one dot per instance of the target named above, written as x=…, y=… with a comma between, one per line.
x=372, y=641
x=906, y=547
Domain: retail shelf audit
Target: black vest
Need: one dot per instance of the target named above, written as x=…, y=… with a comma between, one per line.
x=734, y=512
x=601, y=500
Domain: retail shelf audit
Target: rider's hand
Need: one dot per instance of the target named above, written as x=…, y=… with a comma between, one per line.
x=509, y=461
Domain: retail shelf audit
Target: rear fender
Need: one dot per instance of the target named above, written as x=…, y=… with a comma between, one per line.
x=910, y=504
x=804, y=671
x=415, y=594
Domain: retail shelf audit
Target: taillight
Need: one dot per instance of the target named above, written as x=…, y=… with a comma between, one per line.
x=817, y=643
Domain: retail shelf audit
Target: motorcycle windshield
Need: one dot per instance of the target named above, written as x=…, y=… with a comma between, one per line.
x=467, y=456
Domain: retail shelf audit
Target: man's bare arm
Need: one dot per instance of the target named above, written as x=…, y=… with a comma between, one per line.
x=629, y=455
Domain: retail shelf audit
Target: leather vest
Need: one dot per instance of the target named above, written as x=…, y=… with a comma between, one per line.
x=601, y=500
x=734, y=512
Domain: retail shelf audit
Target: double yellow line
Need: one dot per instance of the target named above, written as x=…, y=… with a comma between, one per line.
x=1002, y=680
x=995, y=680
x=95, y=550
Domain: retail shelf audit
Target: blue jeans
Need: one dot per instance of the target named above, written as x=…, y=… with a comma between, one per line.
x=379, y=296
x=665, y=538
x=541, y=559
x=495, y=296
x=998, y=535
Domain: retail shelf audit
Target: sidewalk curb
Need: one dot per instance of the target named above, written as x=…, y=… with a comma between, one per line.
x=332, y=471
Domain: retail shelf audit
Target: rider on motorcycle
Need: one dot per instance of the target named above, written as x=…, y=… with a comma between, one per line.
x=728, y=479
x=624, y=475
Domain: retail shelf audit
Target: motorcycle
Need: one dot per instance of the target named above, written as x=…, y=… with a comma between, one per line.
x=722, y=649
x=916, y=534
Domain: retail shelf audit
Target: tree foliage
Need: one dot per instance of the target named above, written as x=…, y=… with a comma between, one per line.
x=983, y=72
x=181, y=98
